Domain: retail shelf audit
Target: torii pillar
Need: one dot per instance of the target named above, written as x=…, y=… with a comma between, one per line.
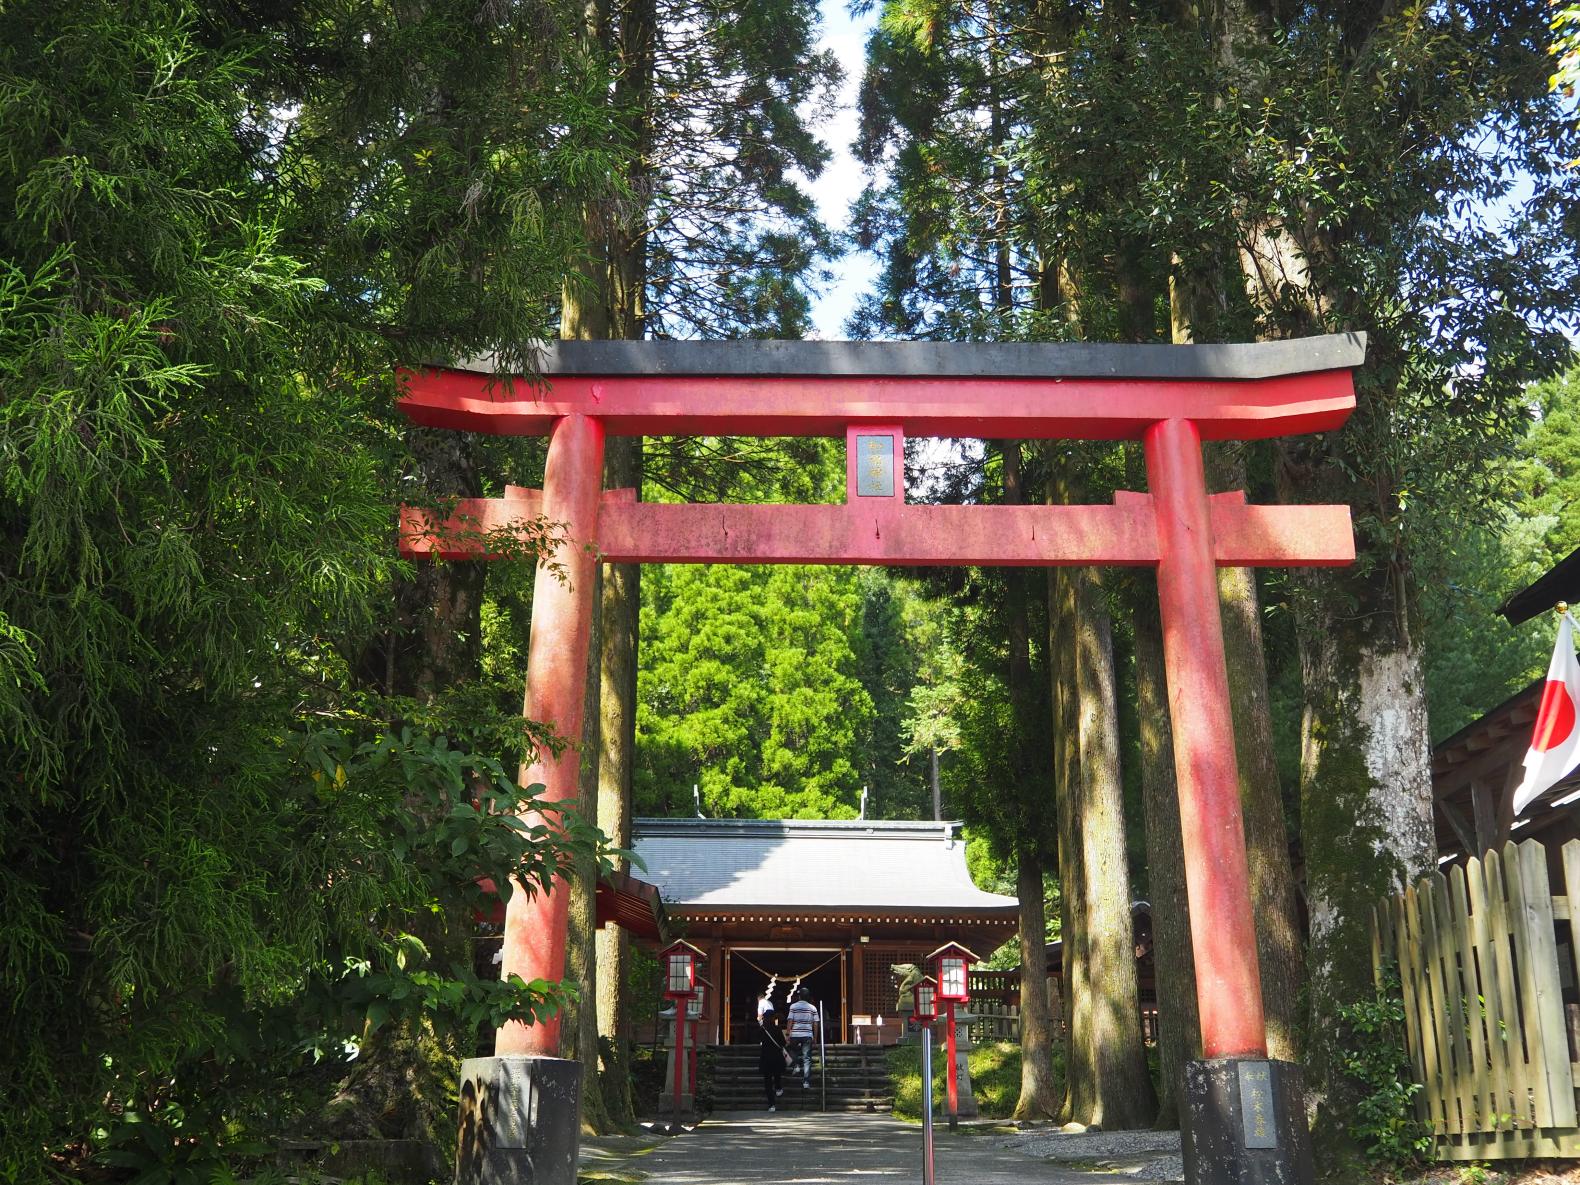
x=520, y=1109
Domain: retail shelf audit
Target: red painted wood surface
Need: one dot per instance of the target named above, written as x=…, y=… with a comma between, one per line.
x=1124, y=533
x=562, y=604
x=1217, y=880
x=1176, y=526
x=1044, y=409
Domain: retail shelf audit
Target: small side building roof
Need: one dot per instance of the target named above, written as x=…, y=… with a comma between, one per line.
x=1561, y=582
x=812, y=866
x=1475, y=771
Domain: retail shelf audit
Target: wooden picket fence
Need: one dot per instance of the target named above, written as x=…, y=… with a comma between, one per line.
x=1485, y=1022
x=994, y=1020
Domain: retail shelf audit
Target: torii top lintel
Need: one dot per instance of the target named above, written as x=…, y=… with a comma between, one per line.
x=1066, y=390
x=876, y=394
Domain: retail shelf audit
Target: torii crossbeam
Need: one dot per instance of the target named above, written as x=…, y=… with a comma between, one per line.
x=1171, y=398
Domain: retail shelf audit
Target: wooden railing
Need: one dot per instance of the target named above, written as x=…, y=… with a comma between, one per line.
x=993, y=1020
x=995, y=1003
x=1000, y=987
x=1485, y=1021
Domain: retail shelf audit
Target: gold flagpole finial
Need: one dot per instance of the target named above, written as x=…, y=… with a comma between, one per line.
x=1561, y=608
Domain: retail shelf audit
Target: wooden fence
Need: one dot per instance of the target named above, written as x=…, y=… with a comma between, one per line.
x=995, y=1007
x=1486, y=1027
x=994, y=1020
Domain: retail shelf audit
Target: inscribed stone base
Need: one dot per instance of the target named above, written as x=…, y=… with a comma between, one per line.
x=520, y=1121
x=963, y=1046
x=1244, y=1123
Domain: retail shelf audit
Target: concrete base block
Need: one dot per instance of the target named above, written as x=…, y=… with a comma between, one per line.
x=1244, y=1123
x=520, y=1121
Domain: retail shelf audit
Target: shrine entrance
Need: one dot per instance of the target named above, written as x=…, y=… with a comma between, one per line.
x=748, y=969
x=1169, y=398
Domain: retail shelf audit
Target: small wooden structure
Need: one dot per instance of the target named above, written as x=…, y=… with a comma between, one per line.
x=1488, y=964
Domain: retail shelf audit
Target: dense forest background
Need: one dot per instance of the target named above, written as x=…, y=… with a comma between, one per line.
x=258, y=769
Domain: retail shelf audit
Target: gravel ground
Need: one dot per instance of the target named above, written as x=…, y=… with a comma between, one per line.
x=807, y=1148
x=1144, y=1155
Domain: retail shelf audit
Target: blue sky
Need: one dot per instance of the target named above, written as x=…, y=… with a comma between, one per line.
x=842, y=181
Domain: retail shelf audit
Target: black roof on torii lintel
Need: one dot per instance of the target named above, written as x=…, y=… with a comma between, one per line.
x=1230, y=362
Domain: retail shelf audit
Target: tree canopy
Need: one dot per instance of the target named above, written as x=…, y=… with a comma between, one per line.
x=261, y=771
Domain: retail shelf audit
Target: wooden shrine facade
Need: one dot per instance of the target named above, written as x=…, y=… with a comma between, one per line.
x=830, y=904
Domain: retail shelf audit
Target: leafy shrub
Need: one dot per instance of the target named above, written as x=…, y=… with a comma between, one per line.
x=995, y=1079
x=1373, y=1055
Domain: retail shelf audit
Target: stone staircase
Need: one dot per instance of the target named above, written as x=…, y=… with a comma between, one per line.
x=857, y=1080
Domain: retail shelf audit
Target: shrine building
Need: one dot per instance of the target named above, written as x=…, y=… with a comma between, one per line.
x=831, y=904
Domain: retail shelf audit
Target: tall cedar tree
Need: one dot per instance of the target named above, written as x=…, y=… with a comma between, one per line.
x=942, y=111
x=714, y=235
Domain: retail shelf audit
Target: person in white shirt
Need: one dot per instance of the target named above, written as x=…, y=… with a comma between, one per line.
x=804, y=1023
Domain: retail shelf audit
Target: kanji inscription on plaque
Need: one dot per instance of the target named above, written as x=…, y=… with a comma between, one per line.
x=875, y=466
x=1256, y=1105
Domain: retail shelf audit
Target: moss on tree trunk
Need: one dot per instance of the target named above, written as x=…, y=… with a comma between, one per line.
x=1366, y=811
x=1039, y=1087
x=579, y=1032
x=620, y=642
x=1067, y=758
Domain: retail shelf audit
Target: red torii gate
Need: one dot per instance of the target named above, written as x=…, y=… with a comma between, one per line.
x=1171, y=398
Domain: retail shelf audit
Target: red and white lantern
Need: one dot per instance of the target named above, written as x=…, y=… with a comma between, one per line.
x=951, y=968
x=679, y=961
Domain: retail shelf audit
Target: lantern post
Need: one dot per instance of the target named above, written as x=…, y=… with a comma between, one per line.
x=679, y=960
x=924, y=1014
x=695, y=1007
x=951, y=965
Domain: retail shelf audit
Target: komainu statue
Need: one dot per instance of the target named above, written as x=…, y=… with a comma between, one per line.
x=906, y=976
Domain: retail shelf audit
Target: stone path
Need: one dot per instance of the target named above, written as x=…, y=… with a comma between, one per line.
x=827, y=1149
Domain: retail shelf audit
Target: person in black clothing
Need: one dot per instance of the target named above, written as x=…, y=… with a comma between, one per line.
x=771, y=1057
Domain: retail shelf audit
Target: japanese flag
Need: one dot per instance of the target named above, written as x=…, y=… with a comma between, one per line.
x=1555, y=745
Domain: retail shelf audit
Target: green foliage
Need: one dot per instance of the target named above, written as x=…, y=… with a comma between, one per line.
x=783, y=691
x=748, y=687
x=1373, y=1055
x=1565, y=26
x=734, y=234
x=224, y=228
x=995, y=1079
x=1475, y=659
x=998, y=772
